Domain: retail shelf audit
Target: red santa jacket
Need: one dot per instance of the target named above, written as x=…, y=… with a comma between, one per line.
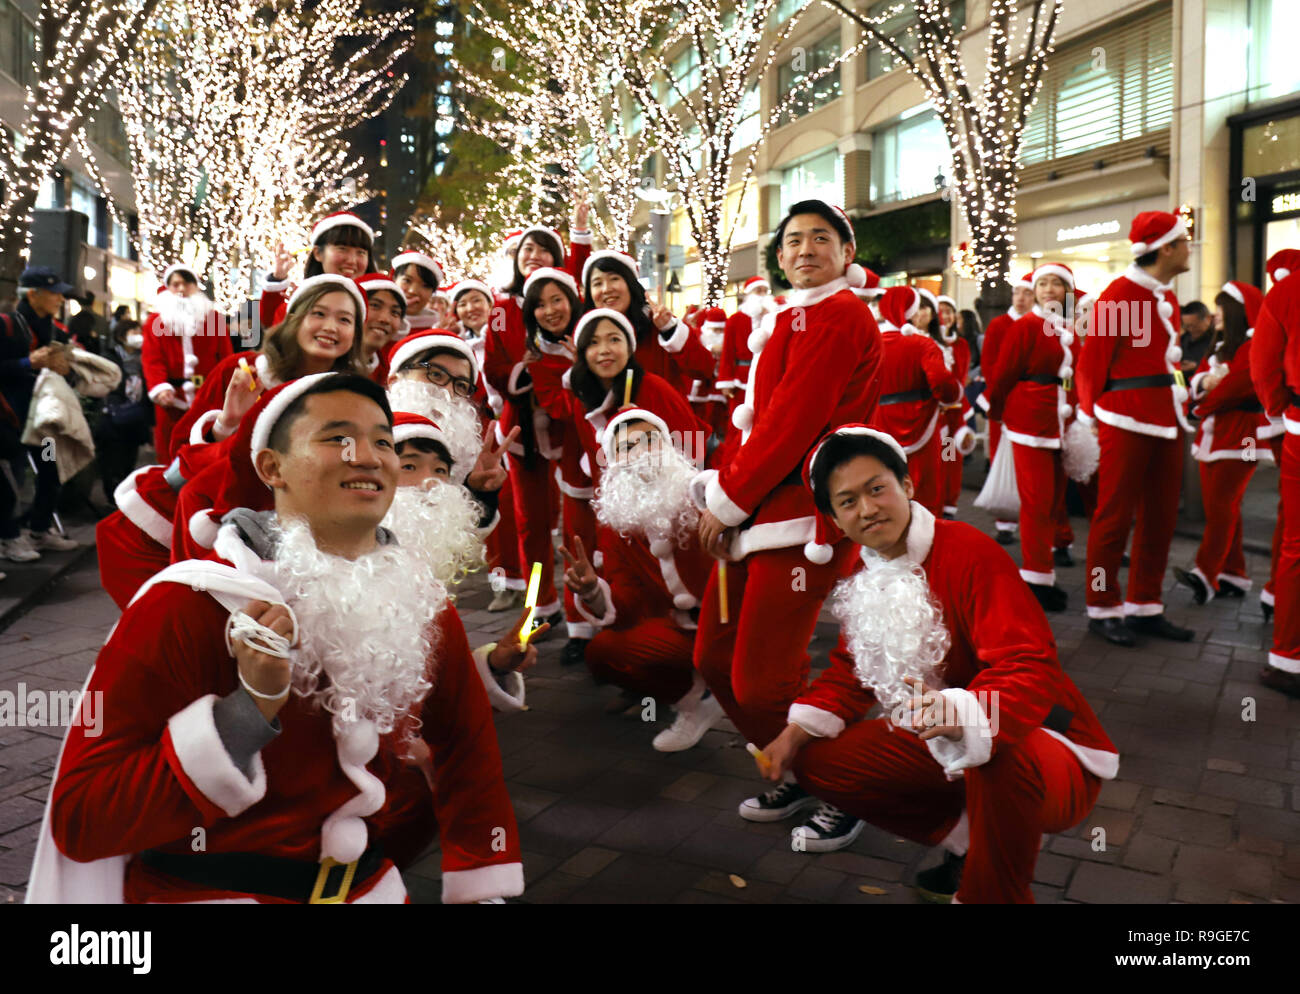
x=507, y=374
x=642, y=580
x=211, y=397
x=816, y=365
x=1231, y=414
x=993, y=336
x=1002, y=650
x=914, y=381
x=169, y=357
x=1027, y=391
x=552, y=394
x=1132, y=335
x=158, y=770
x=1275, y=353
x=733, y=363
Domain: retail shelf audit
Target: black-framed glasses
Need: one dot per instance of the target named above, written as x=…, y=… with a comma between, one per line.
x=438, y=376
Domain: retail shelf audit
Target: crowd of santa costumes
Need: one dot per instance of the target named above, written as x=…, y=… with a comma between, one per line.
x=691, y=466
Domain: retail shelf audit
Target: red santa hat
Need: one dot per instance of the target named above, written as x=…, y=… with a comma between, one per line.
x=929, y=298
x=898, y=305
x=339, y=219
x=1057, y=269
x=1249, y=297
x=755, y=283
x=631, y=274
x=715, y=319
x=425, y=341
x=589, y=320
x=694, y=315
x=943, y=298
x=420, y=259
x=179, y=267
x=240, y=485
x=820, y=549
x=456, y=289
x=1282, y=264
x=374, y=282
x=608, y=436
x=1025, y=282
x=407, y=426
x=332, y=279
x=551, y=273
x=1151, y=229
x=512, y=239
x=542, y=234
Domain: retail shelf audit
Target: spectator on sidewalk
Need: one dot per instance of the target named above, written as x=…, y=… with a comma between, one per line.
x=127, y=418
x=1197, y=336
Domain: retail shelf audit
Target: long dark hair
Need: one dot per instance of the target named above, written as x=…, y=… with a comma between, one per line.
x=549, y=242
x=530, y=308
x=283, y=353
x=347, y=235
x=970, y=330
x=637, y=310
x=1226, y=342
x=586, y=385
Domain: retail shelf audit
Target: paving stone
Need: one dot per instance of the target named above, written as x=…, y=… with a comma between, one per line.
x=689, y=786
x=1230, y=870
x=1186, y=825
x=655, y=828
x=1184, y=799
x=1149, y=852
x=1117, y=824
x=588, y=862
x=1097, y=884
x=1251, y=790
x=816, y=884
x=1119, y=795
x=1053, y=870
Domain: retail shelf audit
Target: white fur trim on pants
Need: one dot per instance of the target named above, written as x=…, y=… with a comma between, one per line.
x=482, y=883
x=1041, y=579
x=1143, y=610
x=1283, y=663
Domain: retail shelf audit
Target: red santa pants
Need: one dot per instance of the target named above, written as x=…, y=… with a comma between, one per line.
x=503, y=549
x=534, y=514
x=887, y=777
x=1220, y=557
x=1040, y=479
x=757, y=663
x=925, y=467
x=577, y=519
x=1139, y=477
x=951, y=468
x=1267, y=594
x=165, y=421
x=995, y=436
x=652, y=658
x=127, y=557
x=1286, y=578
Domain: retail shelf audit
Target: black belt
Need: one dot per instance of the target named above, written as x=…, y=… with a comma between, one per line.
x=271, y=876
x=1058, y=719
x=1043, y=378
x=743, y=362
x=1138, y=382
x=1295, y=400
x=1249, y=406
x=905, y=397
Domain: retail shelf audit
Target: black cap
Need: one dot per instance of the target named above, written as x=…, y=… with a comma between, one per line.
x=44, y=278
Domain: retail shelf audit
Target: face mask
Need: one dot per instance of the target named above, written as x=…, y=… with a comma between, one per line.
x=134, y=340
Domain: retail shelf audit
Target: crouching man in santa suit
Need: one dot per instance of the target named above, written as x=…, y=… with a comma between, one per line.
x=643, y=602
x=245, y=698
x=983, y=743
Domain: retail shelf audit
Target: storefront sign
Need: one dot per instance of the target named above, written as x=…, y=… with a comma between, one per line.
x=1285, y=203
x=1087, y=231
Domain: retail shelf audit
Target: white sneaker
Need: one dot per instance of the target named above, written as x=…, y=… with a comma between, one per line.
x=52, y=541
x=690, y=726
x=19, y=549
x=506, y=599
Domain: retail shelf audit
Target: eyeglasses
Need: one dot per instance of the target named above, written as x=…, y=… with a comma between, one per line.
x=438, y=376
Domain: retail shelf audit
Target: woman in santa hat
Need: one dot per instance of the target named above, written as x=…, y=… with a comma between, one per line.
x=1035, y=360
x=1226, y=448
x=341, y=244
x=665, y=345
x=915, y=382
x=420, y=278
x=184, y=339
x=958, y=438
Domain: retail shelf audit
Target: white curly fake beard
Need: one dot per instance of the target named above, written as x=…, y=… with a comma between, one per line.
x=457, y=418
x=893, y=627
x=439, y=522
x=650, y=497
x=364, y=627
x=183, y=315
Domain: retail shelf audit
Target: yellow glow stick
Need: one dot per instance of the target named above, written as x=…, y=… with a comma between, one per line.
x=627, y=390
x=530, y=602
x=758, y=754
x=722, y=591
x=252, y=378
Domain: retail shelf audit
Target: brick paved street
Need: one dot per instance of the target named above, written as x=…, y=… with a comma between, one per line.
x=1206, y=807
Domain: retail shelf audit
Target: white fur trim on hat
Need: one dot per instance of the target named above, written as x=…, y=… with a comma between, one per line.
x=478, y=285
x=343, y=219
x=278, y=405
x=420, y=259
x=551, y=273
x=635, y=414
x=382, y=282
x=408, y=350
x=622, y=258
x=943, y=298
x=1178, y=230
x=591, y=317
x=882, y=436
x=322, y=279
x=753, y=283
x=406, y=432
x=179, y=267
x=1055, y=269
x=1234, y=293
x=203, y=529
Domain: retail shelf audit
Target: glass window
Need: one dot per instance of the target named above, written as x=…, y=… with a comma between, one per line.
x=686, y=71
x=1274, y=68
x=84, y=200
x=907, y=157
x=819, y=176
x=10, y=55
x=121, y=239
x=45, y=198
x=750, y=126
x=803, y=63
x=878, y=60
x=27, y=53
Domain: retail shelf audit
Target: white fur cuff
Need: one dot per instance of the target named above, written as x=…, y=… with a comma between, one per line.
x=723, y=507
x=815, y=721
x=482, y=883
x=509, y=697
x=513, y=383
x=609, y=615
x=976, y=744
x=678, y=340
x=204, y=759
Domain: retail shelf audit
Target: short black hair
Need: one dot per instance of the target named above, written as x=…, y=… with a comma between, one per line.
x=1148, y=258
x=427, y=276
x=188, y=274
x=401, y=300
x=1196, y=309
x=351, y=382
x=429, y=445
x=838, y=450
x=821, y=209
x=531, y=299
x=433, y=353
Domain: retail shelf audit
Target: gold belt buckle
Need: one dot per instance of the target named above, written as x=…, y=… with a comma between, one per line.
x=322, y=876
x=197, y=380
x=1067, y=384
x=1180, y=379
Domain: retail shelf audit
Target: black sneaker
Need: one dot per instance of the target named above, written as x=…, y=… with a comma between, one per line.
x=554, y=620
x=1200, y=592
x=1113, y=630
x=1051, y=597
x=827, y=830
x=1230, y=590
x=574, y=652
x=778, y=803
x=1006, y=537
x=1063, y=556
x=939, y=884
x=1267, y=610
